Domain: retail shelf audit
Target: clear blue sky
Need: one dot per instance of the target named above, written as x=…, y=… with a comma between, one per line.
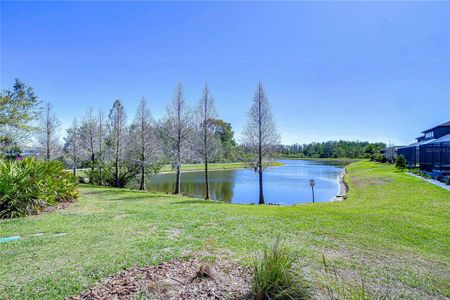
x=374, y=71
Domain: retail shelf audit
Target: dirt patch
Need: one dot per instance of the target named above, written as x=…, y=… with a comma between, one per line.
x=52, y=208
x=370, y=181
x=176, y=279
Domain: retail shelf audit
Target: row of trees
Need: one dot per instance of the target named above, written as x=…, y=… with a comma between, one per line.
x=332, y=149
x=116, y=152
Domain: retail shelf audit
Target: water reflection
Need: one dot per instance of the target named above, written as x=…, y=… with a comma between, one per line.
x=284, y=185
x=221, y=184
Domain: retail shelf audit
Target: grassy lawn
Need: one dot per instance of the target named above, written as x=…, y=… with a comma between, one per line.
x=197, y=167
x=392, y=232
x=214, y=166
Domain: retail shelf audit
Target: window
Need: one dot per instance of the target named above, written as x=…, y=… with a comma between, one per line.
x=429, y=135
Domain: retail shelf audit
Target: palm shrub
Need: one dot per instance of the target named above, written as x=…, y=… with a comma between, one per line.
x=274, y=276
x=28, y=185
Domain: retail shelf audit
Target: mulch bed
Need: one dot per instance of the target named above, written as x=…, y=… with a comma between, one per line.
x=176, y=279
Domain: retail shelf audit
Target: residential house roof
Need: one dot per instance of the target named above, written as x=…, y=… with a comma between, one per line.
x=446, y=124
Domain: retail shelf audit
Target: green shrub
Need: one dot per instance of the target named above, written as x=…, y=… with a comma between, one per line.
x=400, y=162
x=28, y=185
x=444, y=179
x=376, y=157
x=274, y=277
x=415, y=171
x=425, y=175
x=127, y=172
x=447, y=180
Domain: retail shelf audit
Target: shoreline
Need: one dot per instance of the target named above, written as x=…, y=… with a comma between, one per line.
x=343, y=188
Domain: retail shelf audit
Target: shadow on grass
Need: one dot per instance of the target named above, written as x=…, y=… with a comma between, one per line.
x=194, y=201
x=119, y=193
x=134, y=197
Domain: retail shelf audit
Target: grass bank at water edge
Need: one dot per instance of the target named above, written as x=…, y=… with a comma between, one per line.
x=215, y=166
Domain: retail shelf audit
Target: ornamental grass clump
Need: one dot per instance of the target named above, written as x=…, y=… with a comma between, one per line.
x=274, y=276
x=29, y=185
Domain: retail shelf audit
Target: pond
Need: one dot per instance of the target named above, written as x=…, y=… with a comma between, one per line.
x=284, y=185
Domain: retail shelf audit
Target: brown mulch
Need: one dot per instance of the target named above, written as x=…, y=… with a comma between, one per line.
x=175, y=279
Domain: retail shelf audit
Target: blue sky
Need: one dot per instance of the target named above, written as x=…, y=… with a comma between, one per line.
x=377, y=71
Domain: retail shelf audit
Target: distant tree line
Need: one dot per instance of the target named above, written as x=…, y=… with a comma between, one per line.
x=113, y=151
x=332, y=149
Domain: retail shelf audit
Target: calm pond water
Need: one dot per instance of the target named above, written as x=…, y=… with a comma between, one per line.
x=285, y=185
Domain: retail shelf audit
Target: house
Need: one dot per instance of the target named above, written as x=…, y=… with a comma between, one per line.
x=431, y=152
x=29, y=152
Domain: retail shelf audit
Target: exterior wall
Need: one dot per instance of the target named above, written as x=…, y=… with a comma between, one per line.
x=441, y=131
x=435, y=157
x=410, y=154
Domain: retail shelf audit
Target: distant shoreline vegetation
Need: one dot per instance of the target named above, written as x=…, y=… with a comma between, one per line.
x=331, y=150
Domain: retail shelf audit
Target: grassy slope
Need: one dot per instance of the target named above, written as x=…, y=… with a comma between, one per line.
x=392, y=231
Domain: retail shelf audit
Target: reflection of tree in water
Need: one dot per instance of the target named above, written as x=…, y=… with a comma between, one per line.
x=221, y=185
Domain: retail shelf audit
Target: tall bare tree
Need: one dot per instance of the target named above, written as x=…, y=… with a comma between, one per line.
x=117, y=137
x=144, y=141
x=101, y=140
x=208, y=140
x=89, y=136
x=260, y=134
x=72, y=145
x=177, y=129
x=49, y=145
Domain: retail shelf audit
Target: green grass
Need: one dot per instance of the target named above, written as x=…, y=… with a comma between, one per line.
x=392, y=232
x=197, y=167
x=215, y=166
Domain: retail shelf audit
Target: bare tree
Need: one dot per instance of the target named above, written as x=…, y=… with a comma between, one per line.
x=89, y=135
x=177, y=129
x=49, y=145
x=208, y=141
x=101, y=140
x=117, y=137
x=260, y=134
x=144, y=141
x=72, y=145
x=390, y=153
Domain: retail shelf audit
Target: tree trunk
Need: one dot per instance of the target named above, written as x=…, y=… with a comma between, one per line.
x=178, y=181
x=116, y=174
x=100, y=170
x=92, y=161
x=261, y=192
x=142, y=186
x=74, y=168
x=205, y=145
x=47, y=154
x=260, y=169
x=206, y=180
